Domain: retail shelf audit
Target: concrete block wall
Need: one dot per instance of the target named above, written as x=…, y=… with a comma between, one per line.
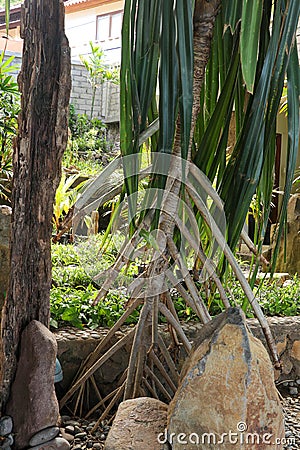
x=107, y=95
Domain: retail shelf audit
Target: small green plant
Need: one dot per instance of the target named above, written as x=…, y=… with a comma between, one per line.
x=9, y=109
x=74, y=290
x=98, y=71
x=280, y=300
x=65, y=198
x=87, y=144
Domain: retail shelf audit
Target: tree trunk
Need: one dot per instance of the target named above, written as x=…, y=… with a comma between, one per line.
x=204, y=19
x=45, y=84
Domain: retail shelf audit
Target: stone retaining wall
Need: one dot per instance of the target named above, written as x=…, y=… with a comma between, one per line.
x=75, y=345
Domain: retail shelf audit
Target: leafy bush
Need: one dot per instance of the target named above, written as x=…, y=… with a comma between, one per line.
x=280, y=300
x=9, y=108
x=74, y=291
x=88, y=136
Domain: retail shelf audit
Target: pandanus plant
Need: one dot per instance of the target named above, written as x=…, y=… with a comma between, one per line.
x=208, y=60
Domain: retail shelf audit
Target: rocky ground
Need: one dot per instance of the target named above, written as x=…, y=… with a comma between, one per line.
x=291, y=408
x=78, y=431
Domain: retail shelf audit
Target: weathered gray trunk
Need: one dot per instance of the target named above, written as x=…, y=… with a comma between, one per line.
x=45, y=85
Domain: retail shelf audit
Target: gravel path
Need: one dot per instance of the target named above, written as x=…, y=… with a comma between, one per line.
x=291, y=408
x=78, y=431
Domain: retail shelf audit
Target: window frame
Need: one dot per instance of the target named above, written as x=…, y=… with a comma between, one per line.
x=110, y=15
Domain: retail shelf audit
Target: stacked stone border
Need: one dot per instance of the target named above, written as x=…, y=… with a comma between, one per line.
x=75, y=345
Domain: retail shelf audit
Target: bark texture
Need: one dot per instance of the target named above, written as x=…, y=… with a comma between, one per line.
x=45, y=85
x=204, y=19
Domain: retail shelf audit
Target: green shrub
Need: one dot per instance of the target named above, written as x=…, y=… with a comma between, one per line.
x=88, y=136
x=74, y=290
x=9, y=109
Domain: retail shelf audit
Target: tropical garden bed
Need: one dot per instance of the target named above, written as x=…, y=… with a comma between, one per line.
x=74, y=290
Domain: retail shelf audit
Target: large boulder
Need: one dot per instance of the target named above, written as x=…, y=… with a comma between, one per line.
x=227, y=397
x=33, y=404
x=137, y=425
x=5, y=220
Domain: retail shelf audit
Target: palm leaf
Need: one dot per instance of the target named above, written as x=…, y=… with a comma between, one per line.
x=243, y=172
x=249, y=42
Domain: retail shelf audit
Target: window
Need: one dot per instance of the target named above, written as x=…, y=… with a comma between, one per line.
x=109, y=26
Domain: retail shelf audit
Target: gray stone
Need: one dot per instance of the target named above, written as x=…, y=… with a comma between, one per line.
x=227, y=384
x=44, y=436
x=56, y=444
x=6, y=425
x=81, y=435
x=70, y=429
x=137, y=424
x=33, y=404
x=8, y=441
x=69, y=437
x=293, y=390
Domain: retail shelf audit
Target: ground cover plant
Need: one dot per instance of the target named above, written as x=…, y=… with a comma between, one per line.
x=9, y=109
x=74, y=291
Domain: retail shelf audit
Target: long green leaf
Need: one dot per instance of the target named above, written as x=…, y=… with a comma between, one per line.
x=184, y=15
x=168, y=79
x=209, y=142
x=242, y=174
x=249, y=42
x=232, y=13
x=127, y=142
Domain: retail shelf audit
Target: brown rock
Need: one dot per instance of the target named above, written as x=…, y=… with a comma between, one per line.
x=33, y=404
x=281, y=346
x=137, y=425
x=56, y=444
x=295, y=352
x=295, y=356
x=227, y=387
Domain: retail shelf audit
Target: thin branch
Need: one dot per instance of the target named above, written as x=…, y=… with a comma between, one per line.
x=239, y=274
x=168, y=359
x=150, y=388
x=252, y=248
x=158, y=383
x=163, y=371
x=93, y=357
x=171, y=319
x=125, y=339
x=201, y=308
x=108, y=397
x=141, y=360
x=207, y=263
x=135, y=348
x=155, y=322
x=115, y=399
